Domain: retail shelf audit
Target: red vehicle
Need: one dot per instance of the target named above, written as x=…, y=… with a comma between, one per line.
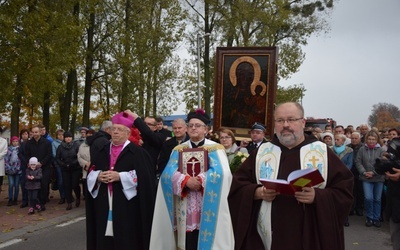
x=320, y=122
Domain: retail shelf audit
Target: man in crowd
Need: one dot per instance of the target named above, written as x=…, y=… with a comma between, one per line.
x=44, y=133
x=363, y=131
x=99, y=139
x=161, y=129
x=119, y=209
x=83, y=132
x=180, y=128
x=339, y=129
x=200, y=222
x=358, y=191
x=392, y=211
x=311, y=218
x=40, y=147
x=257, y=135
x=328, y=128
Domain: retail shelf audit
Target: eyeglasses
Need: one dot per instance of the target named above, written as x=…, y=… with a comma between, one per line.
x=288, y=120
x=195, y=125
x=118, y=129
x=225, y=137
x=151, y=124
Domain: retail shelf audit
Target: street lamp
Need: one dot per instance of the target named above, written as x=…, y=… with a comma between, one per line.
x=199, y=37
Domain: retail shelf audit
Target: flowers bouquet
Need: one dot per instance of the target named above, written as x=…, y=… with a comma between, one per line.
x=237, y=161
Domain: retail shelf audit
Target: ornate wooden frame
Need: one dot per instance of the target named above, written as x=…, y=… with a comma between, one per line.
x=243, y=95
x=193, y=161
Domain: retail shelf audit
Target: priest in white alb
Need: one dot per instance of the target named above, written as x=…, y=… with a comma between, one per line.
x=191, y=205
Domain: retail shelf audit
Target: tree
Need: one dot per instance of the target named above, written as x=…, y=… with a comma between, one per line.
x=293, y=93
x=285, y=24
x=384, y=115
x=36, y=39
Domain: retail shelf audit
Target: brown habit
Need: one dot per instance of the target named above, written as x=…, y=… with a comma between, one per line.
x=294, y=225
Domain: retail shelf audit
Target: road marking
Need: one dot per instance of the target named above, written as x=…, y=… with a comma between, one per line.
x=71, y=222
x=9, y=243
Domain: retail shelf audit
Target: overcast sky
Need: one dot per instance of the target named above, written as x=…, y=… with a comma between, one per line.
x=356, y=65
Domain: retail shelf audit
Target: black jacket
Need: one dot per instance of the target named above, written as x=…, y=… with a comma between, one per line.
x=98, y=140
x=40, y=149
x=152, y=141
x=253, y=146
x=165, y=152
x=67, y=155
x=165, y=132
x=392, y=208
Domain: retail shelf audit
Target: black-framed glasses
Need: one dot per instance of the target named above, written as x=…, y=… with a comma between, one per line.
x=288, y=120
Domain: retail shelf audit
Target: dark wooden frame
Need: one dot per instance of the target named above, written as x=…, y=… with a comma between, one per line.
x=259, y=95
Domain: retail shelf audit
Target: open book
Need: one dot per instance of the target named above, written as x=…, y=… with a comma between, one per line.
x=295, y=182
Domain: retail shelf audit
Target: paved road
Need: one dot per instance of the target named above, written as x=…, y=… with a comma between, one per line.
x=360, y=237
x=64, y=236
x=64, y=233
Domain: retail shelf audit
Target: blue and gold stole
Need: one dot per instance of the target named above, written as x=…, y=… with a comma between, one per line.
x=211, y=198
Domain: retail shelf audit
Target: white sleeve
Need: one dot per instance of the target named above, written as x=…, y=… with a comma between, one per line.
x=3, y=148
x=92, y=183
x=129, y=183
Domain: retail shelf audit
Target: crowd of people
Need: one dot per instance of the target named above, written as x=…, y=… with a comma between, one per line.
x=34, y=159
x=147, y=187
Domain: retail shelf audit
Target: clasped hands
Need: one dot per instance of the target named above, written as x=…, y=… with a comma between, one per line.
x=108, y=176
x=194, y=183
x=306, y=196
x=369, y=174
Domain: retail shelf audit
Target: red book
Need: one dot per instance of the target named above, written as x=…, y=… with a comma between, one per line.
x=193, y=161
x=295, y=182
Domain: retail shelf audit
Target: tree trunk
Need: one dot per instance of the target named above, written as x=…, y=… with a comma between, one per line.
x=74, y=102
x=88, y=72
x=125, y=67
x=16, y=106
x=46, y=110
x=207, y=82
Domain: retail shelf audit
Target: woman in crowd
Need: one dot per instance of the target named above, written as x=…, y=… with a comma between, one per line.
x=13, y=170
x=348, y=131
x=227, y=139
x=54, y=146
x=67, y=159
x=393, y=132
x=327, y=138
x=3, y=152
x=84, y=159
x=372, y=182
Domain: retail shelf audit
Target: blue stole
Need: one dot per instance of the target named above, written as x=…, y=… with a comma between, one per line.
x=211, y=198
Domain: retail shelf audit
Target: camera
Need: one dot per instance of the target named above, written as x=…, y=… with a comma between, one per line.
x=391, y=159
